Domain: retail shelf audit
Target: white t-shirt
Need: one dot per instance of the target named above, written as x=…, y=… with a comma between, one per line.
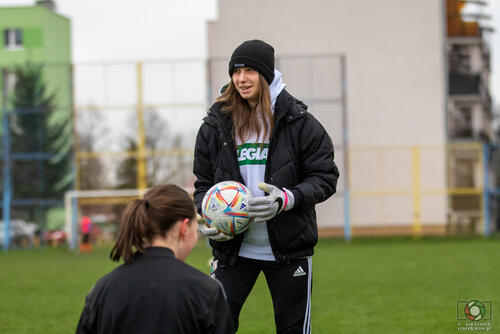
x=252, y=159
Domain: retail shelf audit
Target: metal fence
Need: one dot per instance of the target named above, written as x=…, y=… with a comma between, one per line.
x=143, y=117
x=138, y=117
x=134, y=125
x=441, y=189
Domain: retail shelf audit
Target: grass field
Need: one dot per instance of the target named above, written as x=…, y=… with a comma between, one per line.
x=367, y=286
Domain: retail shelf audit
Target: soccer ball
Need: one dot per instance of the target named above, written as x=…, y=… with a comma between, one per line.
x=225, y=207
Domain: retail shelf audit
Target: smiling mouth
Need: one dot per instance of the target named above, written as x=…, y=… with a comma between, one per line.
x=245, y=89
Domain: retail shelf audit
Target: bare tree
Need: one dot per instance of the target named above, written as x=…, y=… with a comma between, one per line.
x=89, y=129
x=158, y=139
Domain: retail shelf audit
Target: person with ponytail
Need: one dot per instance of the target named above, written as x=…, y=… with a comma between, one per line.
x=154, y=291
x=258, y=134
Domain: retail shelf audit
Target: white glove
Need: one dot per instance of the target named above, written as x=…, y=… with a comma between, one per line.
x=211, y=232
x=266, y=207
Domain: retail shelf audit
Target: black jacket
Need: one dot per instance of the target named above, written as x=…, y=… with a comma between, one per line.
x=300, y=158
x=156, y=293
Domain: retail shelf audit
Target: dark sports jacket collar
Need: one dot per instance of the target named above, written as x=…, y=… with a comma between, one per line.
x=156, y=251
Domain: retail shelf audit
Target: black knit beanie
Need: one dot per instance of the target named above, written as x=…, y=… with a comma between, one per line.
x=256, y=54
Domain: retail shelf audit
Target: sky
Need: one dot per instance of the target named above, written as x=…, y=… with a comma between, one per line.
x=112, y=30
x=138, y=30
x=117, y=30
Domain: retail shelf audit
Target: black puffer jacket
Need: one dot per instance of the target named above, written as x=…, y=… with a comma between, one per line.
x=300, y=158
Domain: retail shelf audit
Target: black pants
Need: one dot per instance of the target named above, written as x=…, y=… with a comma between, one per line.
x=290, y=285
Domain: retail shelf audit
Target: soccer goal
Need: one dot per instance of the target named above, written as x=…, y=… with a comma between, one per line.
x=75, y=200
x=79, y=203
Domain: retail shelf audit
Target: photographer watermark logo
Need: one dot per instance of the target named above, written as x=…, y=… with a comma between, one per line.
x=475, y=310
x=474, y=315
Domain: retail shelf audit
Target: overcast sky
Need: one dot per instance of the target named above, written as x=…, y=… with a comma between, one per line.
x=111, y=30
x=134, y=29
x=137, y=30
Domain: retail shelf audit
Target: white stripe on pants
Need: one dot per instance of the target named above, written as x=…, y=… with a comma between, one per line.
x=307, y=318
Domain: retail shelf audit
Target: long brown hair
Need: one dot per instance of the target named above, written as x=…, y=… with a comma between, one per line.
x=143, y=219
x=247, y=121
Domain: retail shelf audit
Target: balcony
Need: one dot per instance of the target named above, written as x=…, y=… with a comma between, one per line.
x=464, y=84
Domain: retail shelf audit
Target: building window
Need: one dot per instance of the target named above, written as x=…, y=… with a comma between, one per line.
x=10, y=80
x=13, y=39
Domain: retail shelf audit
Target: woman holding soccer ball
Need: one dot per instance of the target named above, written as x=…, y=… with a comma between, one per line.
x=155, y=291
x=292, y=173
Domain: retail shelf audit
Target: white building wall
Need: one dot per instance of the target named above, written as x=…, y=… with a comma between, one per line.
x=476, y=60
x=395, y=52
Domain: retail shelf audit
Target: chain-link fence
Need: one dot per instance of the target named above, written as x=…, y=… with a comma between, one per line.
x=136, y=122
x=439, y=189
x=133, y=125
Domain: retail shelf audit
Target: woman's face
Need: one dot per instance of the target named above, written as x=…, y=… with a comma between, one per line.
x=247, y=83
